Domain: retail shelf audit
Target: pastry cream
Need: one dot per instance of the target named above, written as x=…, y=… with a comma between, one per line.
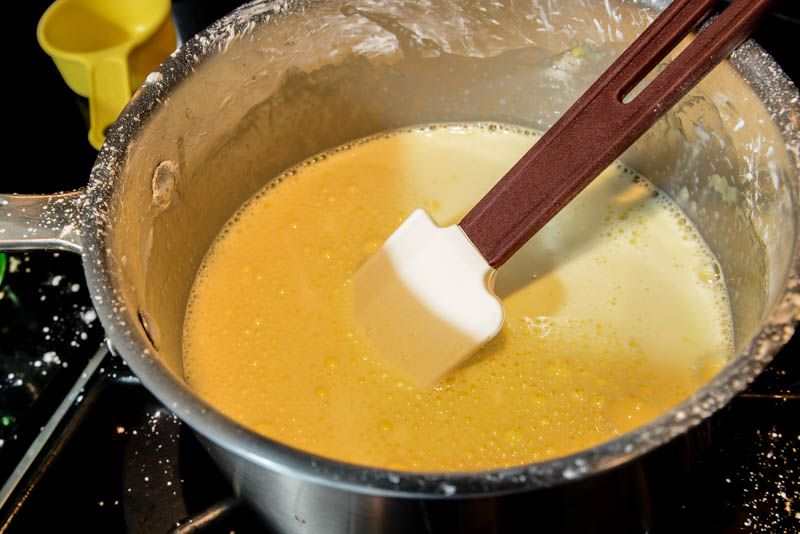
x=615, y=312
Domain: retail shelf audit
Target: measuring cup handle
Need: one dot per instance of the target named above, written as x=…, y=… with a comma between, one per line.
x=110, y=90
x=32, y=222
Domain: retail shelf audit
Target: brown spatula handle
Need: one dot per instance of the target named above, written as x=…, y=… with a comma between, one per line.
x=600, y=126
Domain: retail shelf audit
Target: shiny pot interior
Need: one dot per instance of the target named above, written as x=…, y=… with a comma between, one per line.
x=278, y=82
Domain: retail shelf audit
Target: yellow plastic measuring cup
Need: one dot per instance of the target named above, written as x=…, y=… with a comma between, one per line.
x=105, y=48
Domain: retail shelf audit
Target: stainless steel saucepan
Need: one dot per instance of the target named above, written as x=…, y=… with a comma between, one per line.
x=276, y=82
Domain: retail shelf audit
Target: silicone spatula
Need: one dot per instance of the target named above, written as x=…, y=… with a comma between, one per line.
x=426, y=300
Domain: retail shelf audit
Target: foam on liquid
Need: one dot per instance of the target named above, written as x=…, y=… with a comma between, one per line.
x=615, y=312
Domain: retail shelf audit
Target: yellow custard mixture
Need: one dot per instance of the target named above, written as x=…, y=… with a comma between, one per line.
x=615, y=312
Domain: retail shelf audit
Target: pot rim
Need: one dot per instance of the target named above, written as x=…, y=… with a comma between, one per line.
x=757, y=68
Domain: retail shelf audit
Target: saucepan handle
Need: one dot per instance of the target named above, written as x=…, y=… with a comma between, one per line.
x=30, y=222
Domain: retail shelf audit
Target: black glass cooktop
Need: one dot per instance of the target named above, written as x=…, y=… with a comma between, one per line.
x=84, y=447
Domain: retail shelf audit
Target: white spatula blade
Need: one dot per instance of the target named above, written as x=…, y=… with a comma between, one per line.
x=425, y=298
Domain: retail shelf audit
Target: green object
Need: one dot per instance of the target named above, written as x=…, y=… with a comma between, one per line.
x=3, y=262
